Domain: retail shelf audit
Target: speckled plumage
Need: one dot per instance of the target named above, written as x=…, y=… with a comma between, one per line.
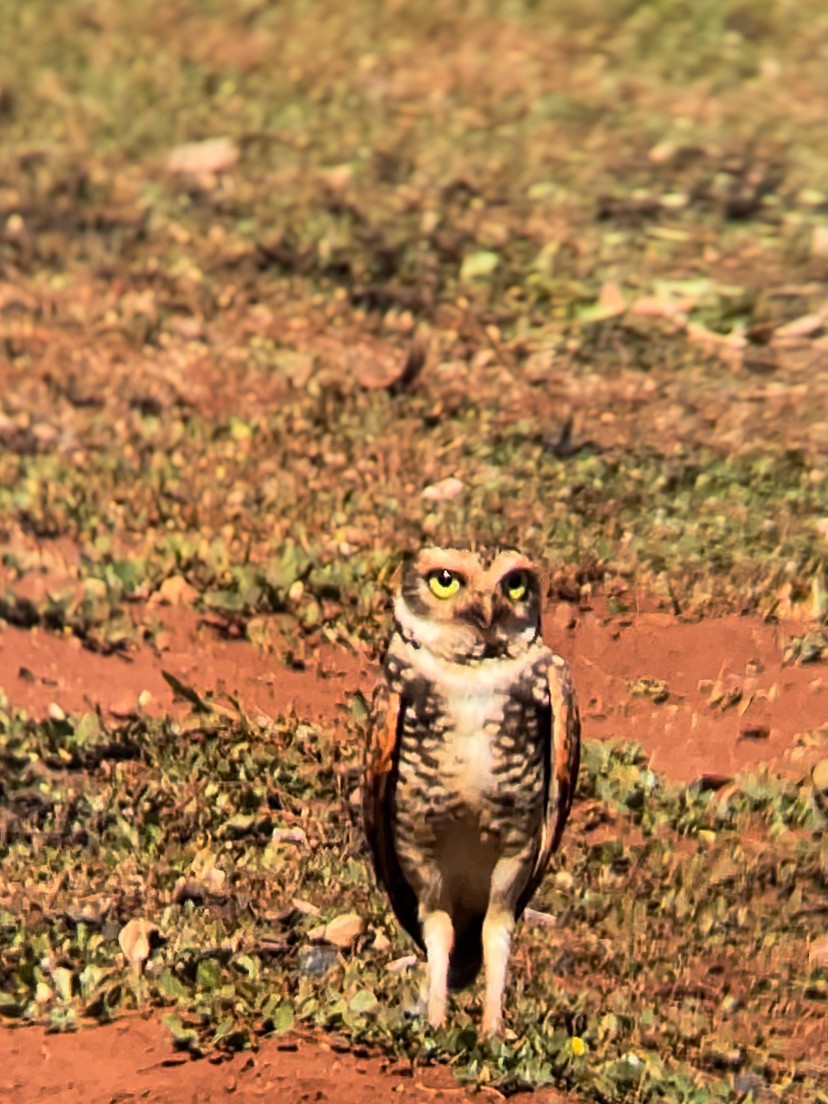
x=473, y=755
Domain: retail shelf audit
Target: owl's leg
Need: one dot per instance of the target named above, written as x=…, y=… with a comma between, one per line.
x=438, y=936
x=497, y=945
x=498, y=926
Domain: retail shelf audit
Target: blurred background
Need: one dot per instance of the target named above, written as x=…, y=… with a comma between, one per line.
x=547, y=272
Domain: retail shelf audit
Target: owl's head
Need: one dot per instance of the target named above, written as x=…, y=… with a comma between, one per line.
x=468, y=605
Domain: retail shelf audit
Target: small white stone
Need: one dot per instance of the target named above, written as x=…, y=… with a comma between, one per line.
x=343, y=931
x=446, y=489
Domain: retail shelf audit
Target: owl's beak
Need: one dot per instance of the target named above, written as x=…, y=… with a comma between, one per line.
x=481, y=611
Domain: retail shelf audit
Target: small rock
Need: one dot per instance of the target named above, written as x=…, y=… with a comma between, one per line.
x=337, y=177
x=124, y=706
x=540, y=366
x=187, y=327
x=343, y=931
x=820, y=776
x=290, y=835
x=662, y=152
x=652, y=306
x=611, y=300
x=55, y=712
x=446, y=489
x=295, y=591
x=316, y=961
x=305, y=907
x=176, y=591
x=819, y=241
x=213, y=155
x=378, y=369
x=381, y=942
x=15, y=227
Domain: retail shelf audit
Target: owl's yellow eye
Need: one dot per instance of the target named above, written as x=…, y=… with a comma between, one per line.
x=514, y=586
x=443, y=583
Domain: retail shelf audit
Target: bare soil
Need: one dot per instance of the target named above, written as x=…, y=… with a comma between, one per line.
x=766, y=705
x=132, y=1060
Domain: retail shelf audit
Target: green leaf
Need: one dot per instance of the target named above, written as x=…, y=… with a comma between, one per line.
x=182, y=1035
x=87, y=729
x=364, y=1000
x=62, y=977
x=283, y=1019
x=358, y=707
x=172, y=987
x=478, y=266
x=225, y=601
x=208, y=974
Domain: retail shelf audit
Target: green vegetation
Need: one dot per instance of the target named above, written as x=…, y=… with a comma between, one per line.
x=618, y=289
x=682, y=915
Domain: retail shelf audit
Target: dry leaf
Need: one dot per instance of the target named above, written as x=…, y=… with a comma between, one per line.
x=135, y=938
x=611, y=301
x=402, y=965
x=805, y=326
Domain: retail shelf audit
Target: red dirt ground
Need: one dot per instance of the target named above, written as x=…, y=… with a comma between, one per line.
x=132, y=1061
x=685, y=735
x=773, y=721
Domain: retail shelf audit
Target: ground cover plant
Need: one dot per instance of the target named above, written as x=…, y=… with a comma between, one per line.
x=285, y=289
x=218, y=874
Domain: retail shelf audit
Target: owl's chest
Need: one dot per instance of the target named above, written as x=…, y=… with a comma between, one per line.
x=471, y=758
x=477, y=756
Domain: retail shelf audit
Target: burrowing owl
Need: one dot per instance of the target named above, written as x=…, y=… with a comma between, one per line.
x=472, y=759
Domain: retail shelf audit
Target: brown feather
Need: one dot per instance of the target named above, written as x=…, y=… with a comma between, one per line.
x=379, y=785
x=561, y=730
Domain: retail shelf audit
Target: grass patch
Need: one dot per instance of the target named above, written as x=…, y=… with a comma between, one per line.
x=682, y=915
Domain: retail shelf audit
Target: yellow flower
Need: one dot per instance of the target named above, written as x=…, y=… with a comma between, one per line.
x=578, y=1046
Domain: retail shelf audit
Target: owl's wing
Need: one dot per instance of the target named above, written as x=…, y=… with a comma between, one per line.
x=560, y=730
x=378, y=788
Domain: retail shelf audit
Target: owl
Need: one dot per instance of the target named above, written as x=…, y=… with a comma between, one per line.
x=472, y=757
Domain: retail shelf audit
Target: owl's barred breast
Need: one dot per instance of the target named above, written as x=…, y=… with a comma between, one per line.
x=471, y=782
